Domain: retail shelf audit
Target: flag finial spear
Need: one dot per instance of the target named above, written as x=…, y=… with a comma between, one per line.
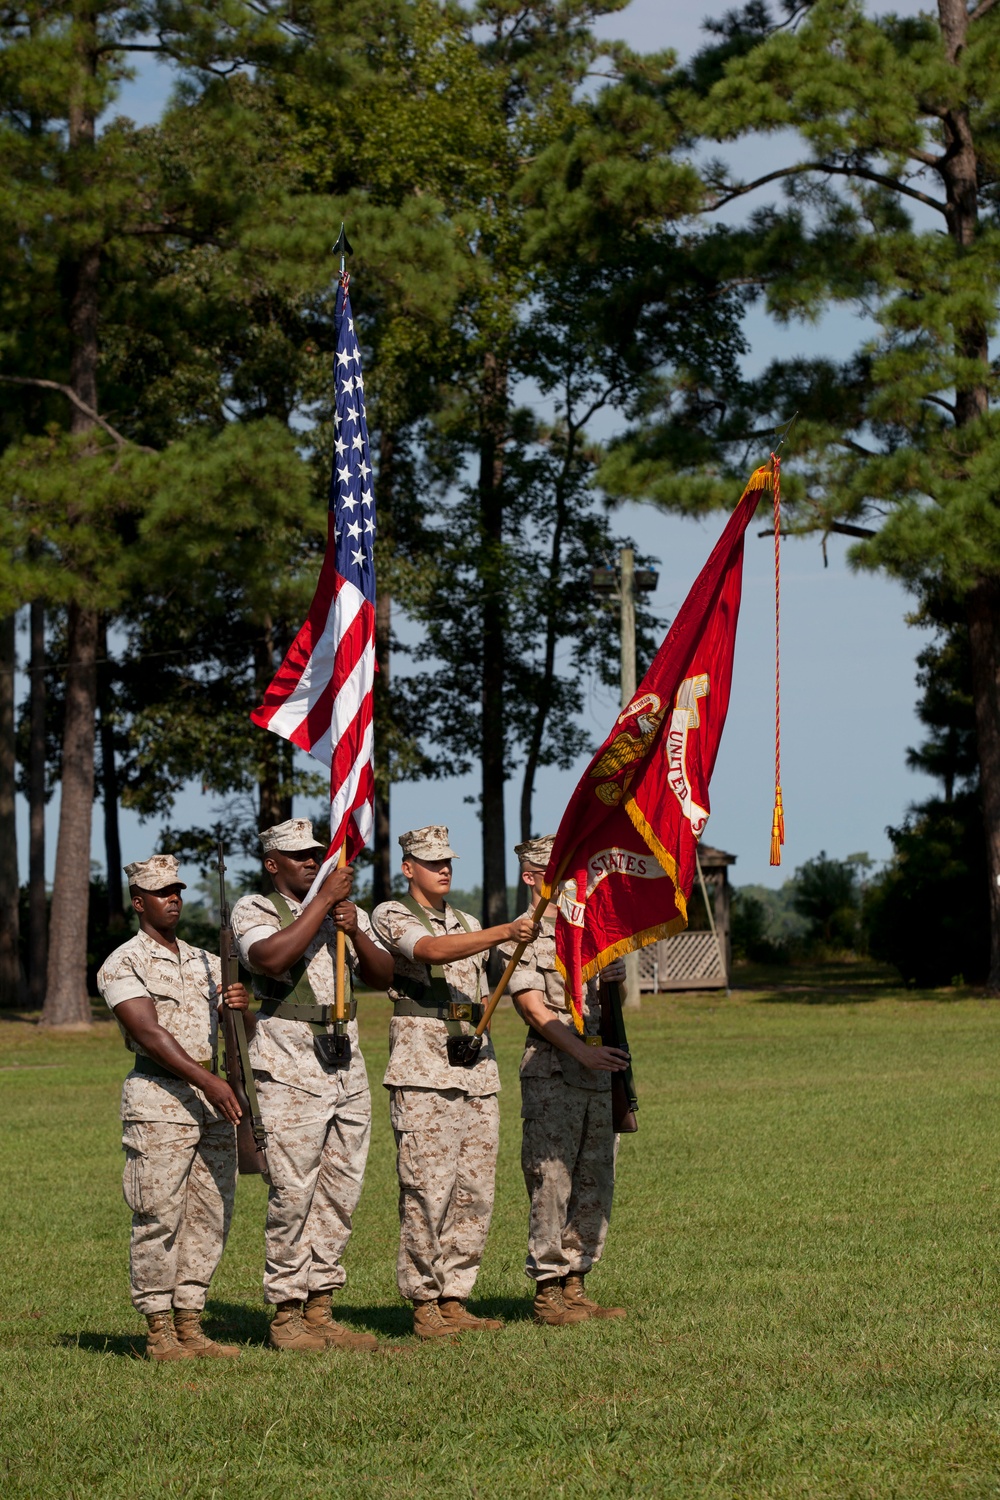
x=342, y=247
x=784, y=430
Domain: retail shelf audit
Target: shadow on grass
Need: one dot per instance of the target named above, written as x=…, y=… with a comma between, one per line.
x=234, y=1322
x=122, y=1346
x=859, y=983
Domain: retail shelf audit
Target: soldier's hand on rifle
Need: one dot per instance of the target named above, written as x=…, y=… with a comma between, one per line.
x=345, y=915
x=235, y=997
x=601, y=1059
x=218, y=1092
x=337, y=886
x=521, y=930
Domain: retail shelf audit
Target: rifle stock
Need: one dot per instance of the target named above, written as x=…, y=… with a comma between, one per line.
x=251, y=1139
x=624, y=1101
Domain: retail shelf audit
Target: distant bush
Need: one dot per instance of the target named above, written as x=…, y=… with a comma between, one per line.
x=928, y=913
x=764, y=928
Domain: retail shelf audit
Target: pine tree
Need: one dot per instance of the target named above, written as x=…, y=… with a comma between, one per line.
x=897, y=120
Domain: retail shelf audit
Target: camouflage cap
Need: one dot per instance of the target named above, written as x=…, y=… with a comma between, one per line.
x=154, y=873
x=289, y=837
x=535, y=853
x=427, y=843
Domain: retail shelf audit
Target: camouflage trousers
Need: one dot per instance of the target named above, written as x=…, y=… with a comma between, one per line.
x=568, y=1151
x=317, y=1147
x=179, y=1182
x=446, y=1156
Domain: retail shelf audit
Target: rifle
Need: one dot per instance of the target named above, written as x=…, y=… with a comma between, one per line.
x=251, y=1137
x=624, y=1101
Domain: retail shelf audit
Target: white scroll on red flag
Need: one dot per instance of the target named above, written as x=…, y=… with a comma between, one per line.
x=625, y=856
x=321, y=695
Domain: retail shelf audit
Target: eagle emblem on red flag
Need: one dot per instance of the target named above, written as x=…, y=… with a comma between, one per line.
x=624, y=859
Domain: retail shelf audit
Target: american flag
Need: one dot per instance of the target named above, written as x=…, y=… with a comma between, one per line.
x=321, y=696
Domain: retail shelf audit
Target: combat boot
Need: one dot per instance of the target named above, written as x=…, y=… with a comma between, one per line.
x=191, y=1336
x=288, y=1330
x=575, y=1296
x=459, y=1318
x=549, y=1307
x=317, y=1319
x=428, y=1322
x=161, y=1340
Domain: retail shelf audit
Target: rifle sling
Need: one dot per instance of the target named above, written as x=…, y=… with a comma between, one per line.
x=256, y=1118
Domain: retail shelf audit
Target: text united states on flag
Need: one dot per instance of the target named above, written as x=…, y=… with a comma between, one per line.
x=321, y=696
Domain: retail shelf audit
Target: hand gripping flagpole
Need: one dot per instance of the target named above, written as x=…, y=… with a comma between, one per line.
x=464, y=1050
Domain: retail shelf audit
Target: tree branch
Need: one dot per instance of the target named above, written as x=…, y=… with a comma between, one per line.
x=939, y=401
x=832, y=170
x=88, y=411
x=981, y=9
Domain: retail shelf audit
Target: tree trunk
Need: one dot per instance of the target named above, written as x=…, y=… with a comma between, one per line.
x=12, y=989
x=66, y=1001
x=382, y=842
x=382, y=867
x=983, y=613
x=109, y=789
x=959, y=171
x=551, y=634
x=494, y=401
x=38, y=914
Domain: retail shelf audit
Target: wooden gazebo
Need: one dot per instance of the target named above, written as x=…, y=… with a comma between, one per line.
x=699, y=959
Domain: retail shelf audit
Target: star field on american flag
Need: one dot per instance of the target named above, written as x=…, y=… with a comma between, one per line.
x=352, y=501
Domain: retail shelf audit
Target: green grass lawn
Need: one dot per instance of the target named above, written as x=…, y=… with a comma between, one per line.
x=805, y=1235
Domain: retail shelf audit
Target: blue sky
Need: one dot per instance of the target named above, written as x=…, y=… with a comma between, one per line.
x=848, y=687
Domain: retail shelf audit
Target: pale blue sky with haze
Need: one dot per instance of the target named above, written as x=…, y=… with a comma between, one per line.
x=848, y=689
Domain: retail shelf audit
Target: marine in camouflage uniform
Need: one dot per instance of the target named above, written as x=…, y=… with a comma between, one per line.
x=317, y=1114
x=178, y=1118
x=445, y=1119
x=568, y=1145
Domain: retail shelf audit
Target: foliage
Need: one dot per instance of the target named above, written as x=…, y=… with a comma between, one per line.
x=928, y=913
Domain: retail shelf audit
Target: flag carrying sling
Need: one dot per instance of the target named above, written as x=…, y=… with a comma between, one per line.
x=626, y=850
x=321, y=696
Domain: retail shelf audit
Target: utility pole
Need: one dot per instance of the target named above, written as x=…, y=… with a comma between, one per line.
x=626, y=591
x=624, y=584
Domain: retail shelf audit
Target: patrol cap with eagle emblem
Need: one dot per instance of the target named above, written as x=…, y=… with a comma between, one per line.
x=427, y=843
x=154, y=873
x=535, y=854
x=289, y=837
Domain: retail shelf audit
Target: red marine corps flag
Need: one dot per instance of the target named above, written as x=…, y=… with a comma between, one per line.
x=625, y=853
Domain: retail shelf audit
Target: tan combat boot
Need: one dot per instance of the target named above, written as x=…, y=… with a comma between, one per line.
x=428, y=1322
x=574, y=1295
x=549, y=1307
x=288, y=1330
x=459, y=1318
x=335, y=1336
x=161, y=1340
x=190, y=1336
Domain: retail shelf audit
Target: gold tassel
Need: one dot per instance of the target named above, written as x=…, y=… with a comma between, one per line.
x=777, y=828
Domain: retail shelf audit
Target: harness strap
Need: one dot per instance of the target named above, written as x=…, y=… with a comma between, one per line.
x=438, y=984
x=454, y=1010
